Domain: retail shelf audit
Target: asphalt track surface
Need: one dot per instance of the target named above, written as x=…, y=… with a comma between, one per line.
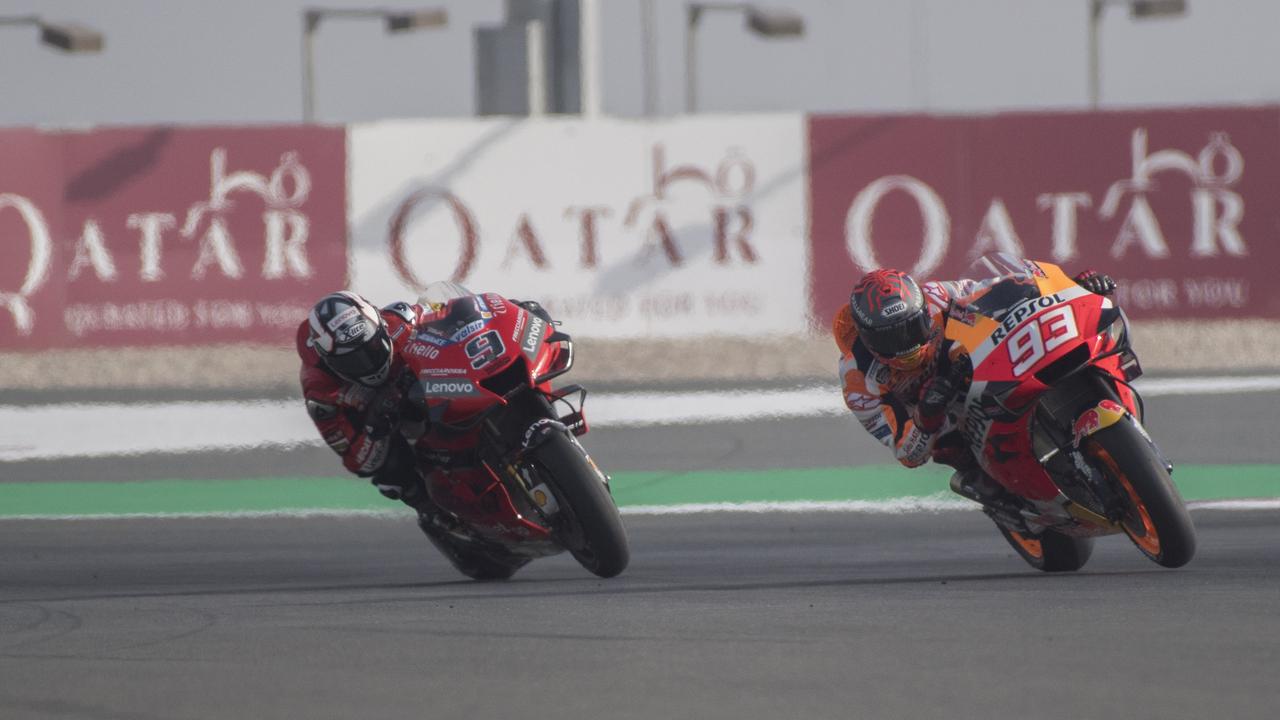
x=827, y=615
x=823, y=615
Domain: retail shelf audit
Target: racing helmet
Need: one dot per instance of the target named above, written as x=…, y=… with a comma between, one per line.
x=351, y=338
x=893, y=320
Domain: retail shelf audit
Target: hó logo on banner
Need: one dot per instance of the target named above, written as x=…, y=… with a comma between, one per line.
x=729, y=185
x=285, y=232
x=1217, y=210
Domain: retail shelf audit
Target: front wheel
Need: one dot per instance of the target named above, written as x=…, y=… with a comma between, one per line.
x=588, y=524
x=1155, y=518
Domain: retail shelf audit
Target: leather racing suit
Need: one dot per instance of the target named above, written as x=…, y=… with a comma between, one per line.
x=359, y=422
x=884, y=398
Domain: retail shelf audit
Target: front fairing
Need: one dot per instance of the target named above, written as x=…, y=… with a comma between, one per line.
x=1023, y=332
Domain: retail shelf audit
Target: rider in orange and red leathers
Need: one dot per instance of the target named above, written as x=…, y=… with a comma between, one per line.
x=899, y=377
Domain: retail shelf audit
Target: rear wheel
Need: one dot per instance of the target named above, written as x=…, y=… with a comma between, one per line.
x=588, y=523
x=1156, y=518
x=1050, y=551
x=474, y=562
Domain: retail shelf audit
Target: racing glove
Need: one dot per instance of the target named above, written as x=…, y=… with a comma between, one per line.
x=1096, y=282
x=935, y=396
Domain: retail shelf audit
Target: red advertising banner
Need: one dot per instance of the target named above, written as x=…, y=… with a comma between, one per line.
x=166, y=236
x=1181, y=206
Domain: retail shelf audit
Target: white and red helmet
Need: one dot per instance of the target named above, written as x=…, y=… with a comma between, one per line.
x=350, y=336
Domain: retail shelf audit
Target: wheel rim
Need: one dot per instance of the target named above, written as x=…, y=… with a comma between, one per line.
x=1143, y=531
x=1030, y=546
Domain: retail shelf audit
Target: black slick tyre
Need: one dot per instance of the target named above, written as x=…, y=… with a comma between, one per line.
x=588, y=523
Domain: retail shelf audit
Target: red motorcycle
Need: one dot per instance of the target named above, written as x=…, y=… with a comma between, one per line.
x=498, y=446
x=1050, y=413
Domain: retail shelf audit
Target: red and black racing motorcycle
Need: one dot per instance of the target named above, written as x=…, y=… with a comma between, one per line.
x=498, y=446
x=1050, y=413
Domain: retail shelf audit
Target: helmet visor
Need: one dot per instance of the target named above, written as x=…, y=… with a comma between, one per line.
x=898, y=339
x=364, y=362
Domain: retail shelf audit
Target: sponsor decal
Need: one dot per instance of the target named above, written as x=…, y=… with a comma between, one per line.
x=336, y=440
x=540, y=428
x=371, y=454
x=893, y=309
x=1181, y=199
x=354, y=331
x=882, y=433
x=431, y=336
x=976, y=419
x=467, y=330
x=447, y=388
x=496, y=303
x=915, y=446
x=1107, y=413
x=481, y=307
x=545, y=500
x=520, y=318
x=533, y=337
x=1020, y=312
x=858, y=402
x=343, y=317
x=441, y=371
x=321, y=411
x=422, y=350
x=1086, y=425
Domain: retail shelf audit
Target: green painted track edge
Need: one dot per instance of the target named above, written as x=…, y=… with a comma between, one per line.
x=875, y=483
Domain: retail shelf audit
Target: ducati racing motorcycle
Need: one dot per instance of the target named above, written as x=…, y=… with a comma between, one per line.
x=497, y=445
x=1048, y=410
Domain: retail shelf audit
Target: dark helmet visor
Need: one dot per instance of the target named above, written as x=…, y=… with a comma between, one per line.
x=899, y=338
x=363, y=361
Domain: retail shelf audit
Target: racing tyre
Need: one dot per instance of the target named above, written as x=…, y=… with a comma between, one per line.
x=588, y=524
x=1050, y=551
x=473, y=562
x=1156, y=518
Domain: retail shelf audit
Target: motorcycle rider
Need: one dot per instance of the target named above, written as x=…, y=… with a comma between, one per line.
x=900, y=376
x=353, y=387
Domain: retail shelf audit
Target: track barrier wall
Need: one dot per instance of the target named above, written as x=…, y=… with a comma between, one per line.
x=743, y=227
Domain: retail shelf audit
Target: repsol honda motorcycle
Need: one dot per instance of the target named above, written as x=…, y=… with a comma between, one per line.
x=497, y=446
x=1050, y=413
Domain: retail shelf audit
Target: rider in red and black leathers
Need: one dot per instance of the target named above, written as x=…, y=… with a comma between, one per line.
x=352, y=385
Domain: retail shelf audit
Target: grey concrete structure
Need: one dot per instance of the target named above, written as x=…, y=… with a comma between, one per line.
x=239, y=61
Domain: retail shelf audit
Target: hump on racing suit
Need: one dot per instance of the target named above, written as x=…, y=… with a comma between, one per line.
x=342, y=410
x=883, y=398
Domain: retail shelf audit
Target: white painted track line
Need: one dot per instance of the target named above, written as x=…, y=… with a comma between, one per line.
x=104, y=430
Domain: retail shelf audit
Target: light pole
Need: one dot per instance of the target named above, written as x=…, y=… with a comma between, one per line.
x=1138, y=10
x=67, y=37
x=765, y=22
x=396, y=20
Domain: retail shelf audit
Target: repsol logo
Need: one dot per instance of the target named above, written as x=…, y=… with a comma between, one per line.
x=1022, y=311
x=976, y=420
x=447, y=388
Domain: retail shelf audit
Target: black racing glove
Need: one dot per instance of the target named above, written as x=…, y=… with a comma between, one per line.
x=1096, y=282
x=935, y=396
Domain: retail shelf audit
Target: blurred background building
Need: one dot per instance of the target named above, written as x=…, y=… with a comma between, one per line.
x=242, y=61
